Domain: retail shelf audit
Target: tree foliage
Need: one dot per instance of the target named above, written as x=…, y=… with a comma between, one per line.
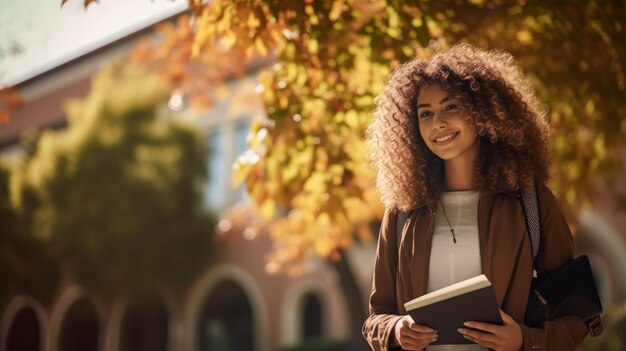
x=115, y=194
x=307, y=168
x=25, y=265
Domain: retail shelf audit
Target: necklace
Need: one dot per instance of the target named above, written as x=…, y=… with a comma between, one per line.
x=447, y=220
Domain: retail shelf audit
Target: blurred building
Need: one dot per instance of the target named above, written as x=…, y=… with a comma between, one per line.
x=234, y=304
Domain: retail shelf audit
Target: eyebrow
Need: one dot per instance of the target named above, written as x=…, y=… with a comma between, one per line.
x=447, y=98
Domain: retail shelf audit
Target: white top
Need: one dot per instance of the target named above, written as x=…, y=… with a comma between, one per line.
x=449, y=262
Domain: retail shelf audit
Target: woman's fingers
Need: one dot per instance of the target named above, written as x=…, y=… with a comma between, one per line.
x=506, y=319
x=489, y=328
x=414, y=344
x=419, y=336
x=420, y=328
x=422, y=336
x=478, y=335
x=417, y=331
x=421, y=331
x=415, y=336
x=497, y=337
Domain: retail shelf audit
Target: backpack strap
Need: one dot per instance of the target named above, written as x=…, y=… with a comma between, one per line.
x=400, y=220
x=530, y=205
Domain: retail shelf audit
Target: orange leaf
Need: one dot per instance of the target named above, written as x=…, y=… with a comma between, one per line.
x=201, y=103
x=85, y=3
x=5, y=116
x=10, y=100
x=197, y=6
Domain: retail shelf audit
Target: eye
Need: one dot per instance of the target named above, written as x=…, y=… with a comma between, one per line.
x=451, y=107
x=425, y=114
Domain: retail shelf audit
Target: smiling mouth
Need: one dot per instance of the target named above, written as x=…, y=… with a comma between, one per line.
x=445, y=138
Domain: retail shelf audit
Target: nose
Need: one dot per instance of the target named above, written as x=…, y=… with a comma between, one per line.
x=438, y=121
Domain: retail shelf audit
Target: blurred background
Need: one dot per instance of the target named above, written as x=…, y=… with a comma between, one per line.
x=192, y=175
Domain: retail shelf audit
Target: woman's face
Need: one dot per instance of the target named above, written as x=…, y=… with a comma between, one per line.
x=443, y=125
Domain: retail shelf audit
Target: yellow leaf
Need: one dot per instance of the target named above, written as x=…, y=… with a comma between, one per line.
x=228, y=40
x=336, y=171
x=323, y=246
x=290, y=51
x=394, y=19
x=290, y=172
x=336, y=10
x=260, y=47
x=599, y=147
x=283, y=102
x=292, y=72
x=339, y=117
x=272, y=168
x=249, y=51
x=352, y=119
x=313, y=46
x=268, y=209
x=314, y=19
x=524, y=36
x=323, y=219
x=590, y=107
x=253, y=22
x=240, y=172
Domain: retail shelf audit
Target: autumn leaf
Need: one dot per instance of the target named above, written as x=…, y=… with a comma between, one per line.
x=10, y=100
x=86, y=3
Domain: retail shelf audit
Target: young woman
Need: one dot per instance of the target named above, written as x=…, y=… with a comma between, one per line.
x=455, y=140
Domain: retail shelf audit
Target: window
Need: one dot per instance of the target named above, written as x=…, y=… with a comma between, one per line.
x=226, y=141
x=312, y=317
x=79, y=330
x=216, y=190
x=226, y=321
x=24, y=331
x=241, y=133
x=227, y=126
x=145, y=326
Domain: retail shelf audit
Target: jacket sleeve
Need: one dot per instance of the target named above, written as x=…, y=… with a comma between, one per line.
x=556, y=249
x=383, y=313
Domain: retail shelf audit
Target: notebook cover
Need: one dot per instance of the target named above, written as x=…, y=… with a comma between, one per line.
x=448, y=315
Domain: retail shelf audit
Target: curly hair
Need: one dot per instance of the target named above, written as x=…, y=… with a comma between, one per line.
x=511, y=124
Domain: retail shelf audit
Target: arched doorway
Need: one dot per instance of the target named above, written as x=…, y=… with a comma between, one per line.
x=226, y=321
x=24, y=333
x=79, y=329
x=145, y=326
x=312, y=317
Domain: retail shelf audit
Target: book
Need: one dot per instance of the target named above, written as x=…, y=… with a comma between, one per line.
x=446, y=309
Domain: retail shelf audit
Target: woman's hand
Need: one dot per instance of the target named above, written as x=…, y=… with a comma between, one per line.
x=411, y=336
x=497, y=337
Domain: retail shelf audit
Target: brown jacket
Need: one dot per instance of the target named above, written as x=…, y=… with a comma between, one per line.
x=506, y=260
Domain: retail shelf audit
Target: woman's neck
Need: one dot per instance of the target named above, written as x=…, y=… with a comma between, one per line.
x=459, y=175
